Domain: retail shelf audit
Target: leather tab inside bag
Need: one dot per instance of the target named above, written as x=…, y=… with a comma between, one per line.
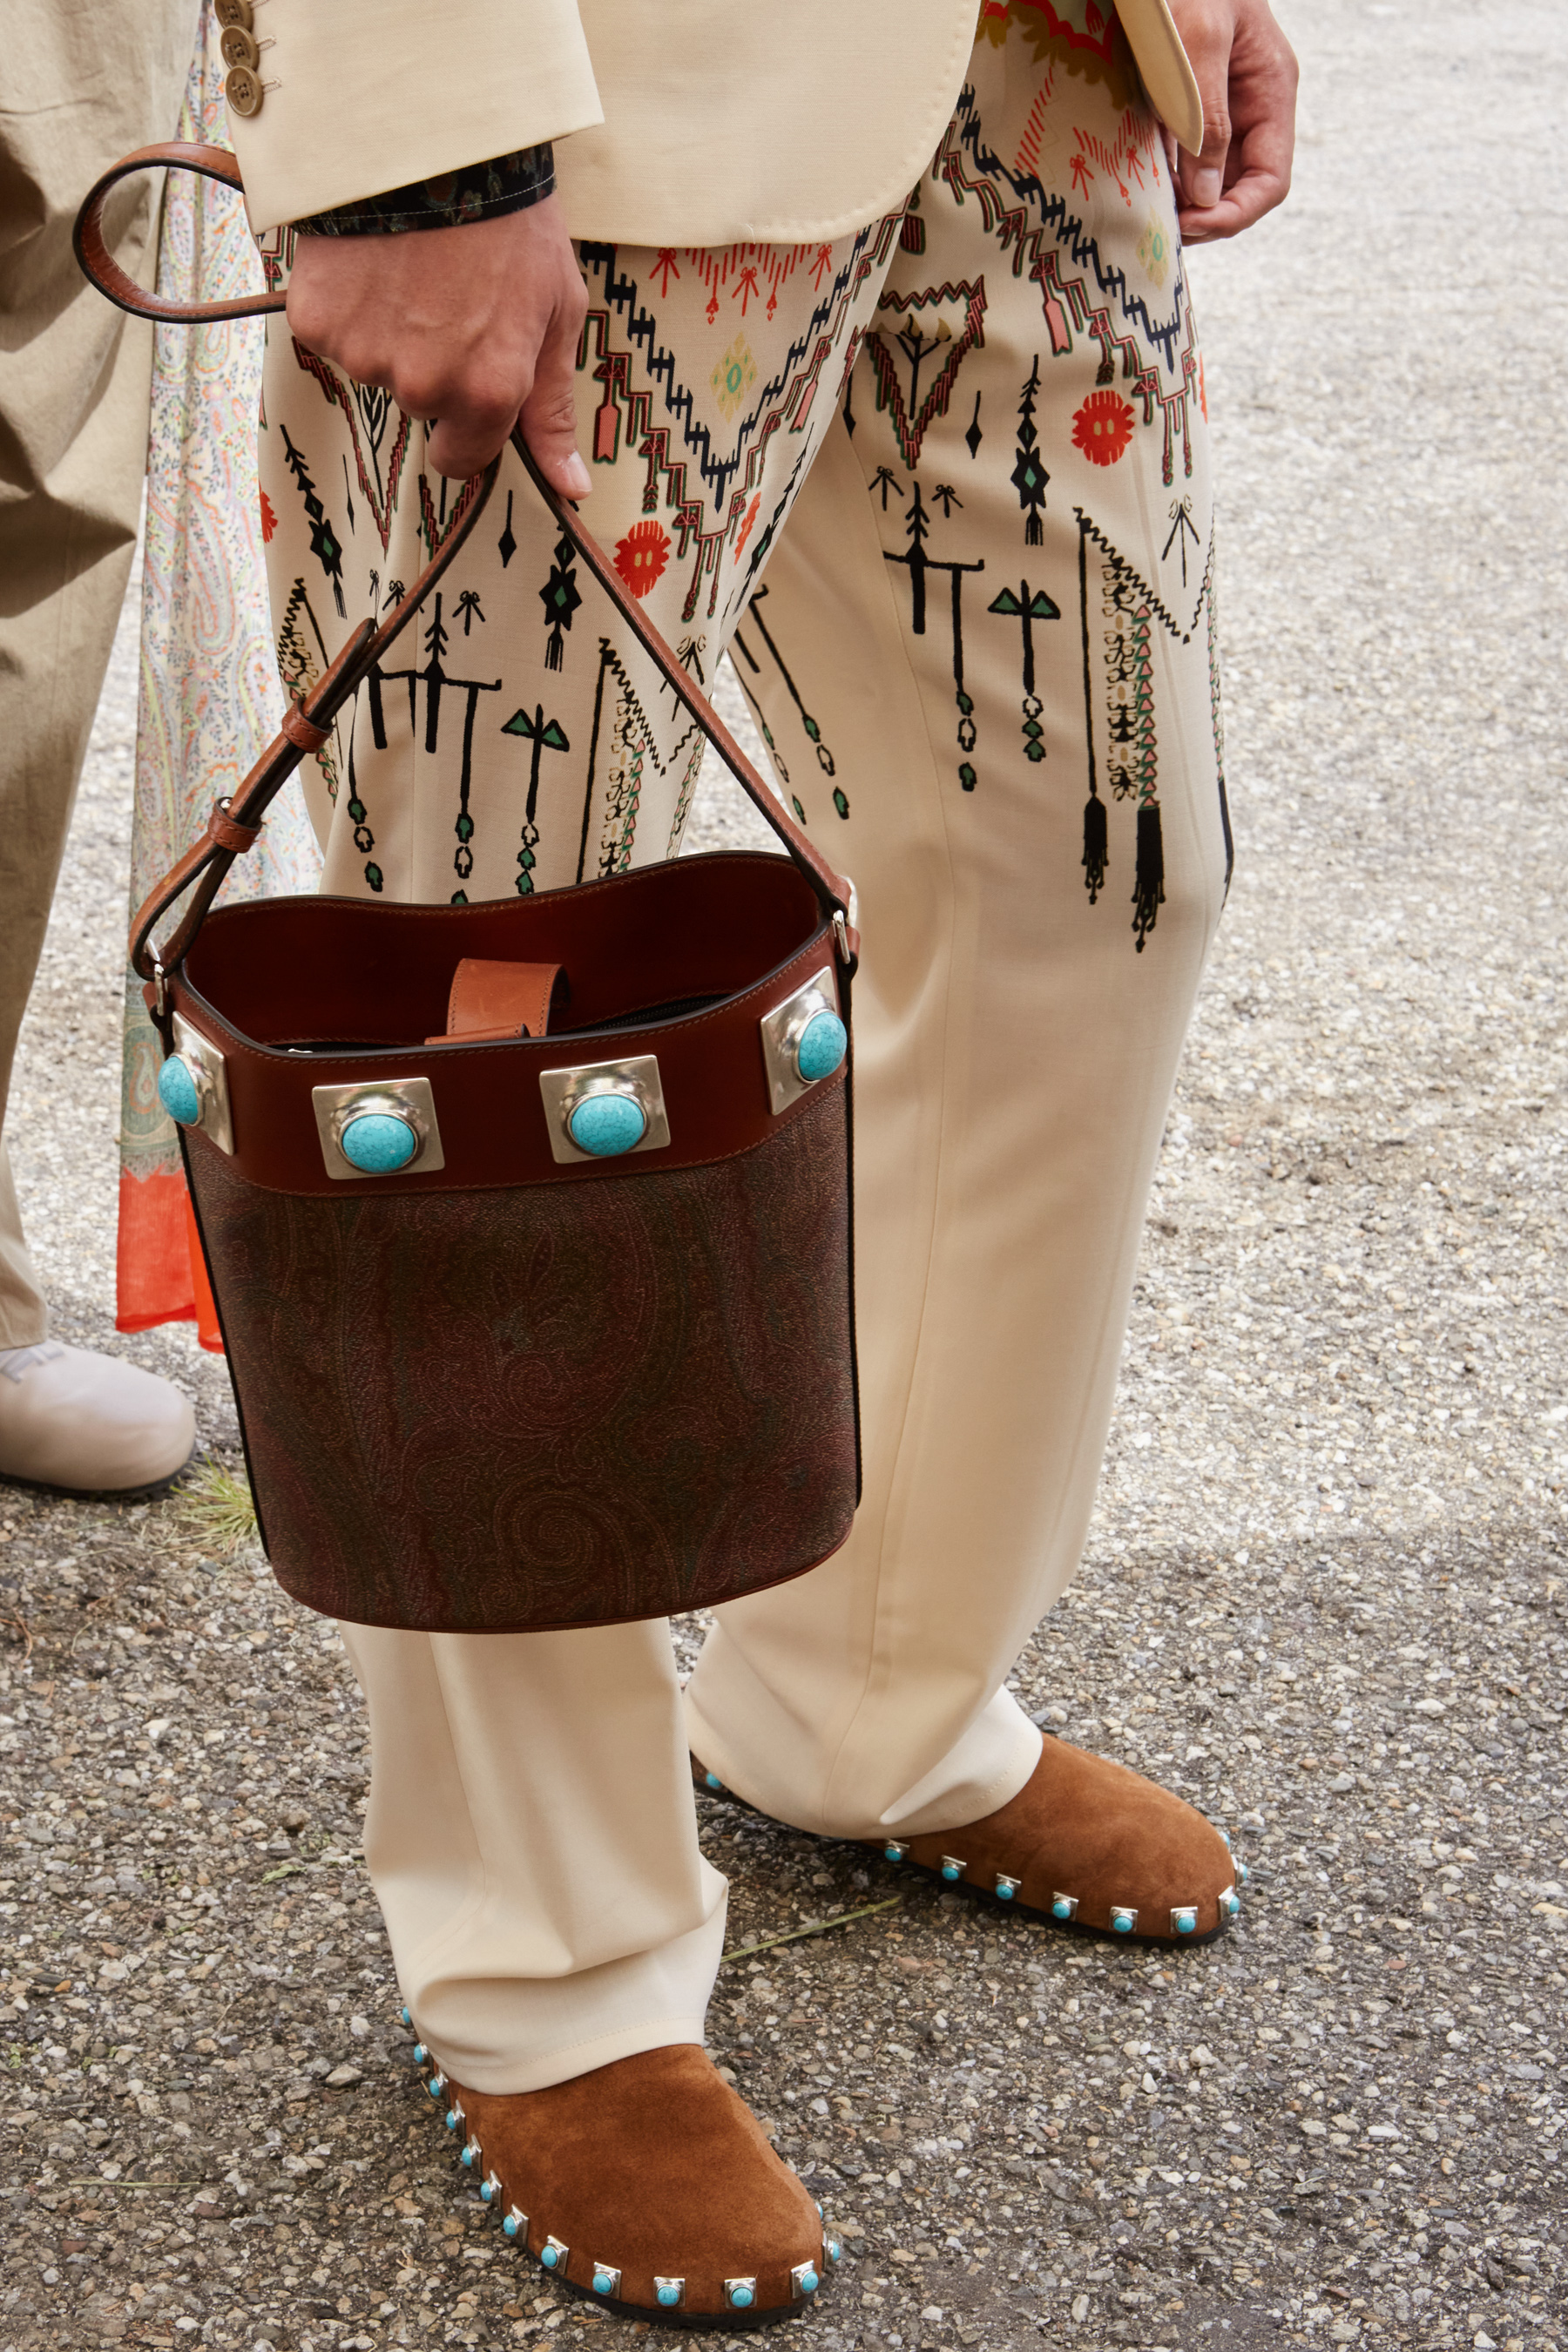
x=492, y=999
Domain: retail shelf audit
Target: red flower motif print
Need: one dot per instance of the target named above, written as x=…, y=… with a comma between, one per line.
x=642, y=556
x=268, y=519
x=1103, y=427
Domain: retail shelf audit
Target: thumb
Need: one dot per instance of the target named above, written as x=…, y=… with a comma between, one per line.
x=1203, y=175
x=548, y=419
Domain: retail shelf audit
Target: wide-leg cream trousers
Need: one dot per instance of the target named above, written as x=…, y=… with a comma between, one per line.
x=945, y=485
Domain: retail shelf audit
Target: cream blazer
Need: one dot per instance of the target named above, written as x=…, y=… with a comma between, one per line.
x=681, y=121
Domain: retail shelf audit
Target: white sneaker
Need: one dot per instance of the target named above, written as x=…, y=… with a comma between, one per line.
x=70, y=1418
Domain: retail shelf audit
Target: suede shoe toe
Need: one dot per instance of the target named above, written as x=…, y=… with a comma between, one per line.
x=649, y=2187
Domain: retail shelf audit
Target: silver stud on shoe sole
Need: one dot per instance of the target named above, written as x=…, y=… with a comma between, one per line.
x=1064, y=1907
x=740, y=2293
x=554, y=2254
x=952, y=1868
x=1006, y=1888
x=669, y=2292
x=803, y=2281
x=1123, y=1918
x=607, y=2279
x=1184, y=1919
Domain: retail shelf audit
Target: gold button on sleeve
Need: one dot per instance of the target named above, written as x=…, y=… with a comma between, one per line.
x=233, y=12
x=242, y=87
x=237, y=47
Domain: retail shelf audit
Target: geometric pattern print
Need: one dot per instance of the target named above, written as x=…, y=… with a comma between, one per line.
x=1131, y=610
x=750, y=667
x=629, y=744
x=974, y=171
x=507, y=745
x=1107, y=385
x=897, y=386
x=704, y=474
x=369, y=411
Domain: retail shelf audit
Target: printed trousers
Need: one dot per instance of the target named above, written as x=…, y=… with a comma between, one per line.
x=942, y=490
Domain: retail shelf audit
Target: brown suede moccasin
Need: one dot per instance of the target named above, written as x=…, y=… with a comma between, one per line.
x=647, y=2187
x=1088, y=1843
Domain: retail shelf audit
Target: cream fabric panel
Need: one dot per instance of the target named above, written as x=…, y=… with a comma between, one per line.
x=695, y=121
x=776, y=120
x=371, y=94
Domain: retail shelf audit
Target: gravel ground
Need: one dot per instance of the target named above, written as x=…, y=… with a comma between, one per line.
x=1324, y=1594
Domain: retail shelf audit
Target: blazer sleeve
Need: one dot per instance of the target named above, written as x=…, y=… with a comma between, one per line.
x=361, y=96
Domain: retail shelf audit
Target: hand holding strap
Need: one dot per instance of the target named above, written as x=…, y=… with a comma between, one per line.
x=233, y=825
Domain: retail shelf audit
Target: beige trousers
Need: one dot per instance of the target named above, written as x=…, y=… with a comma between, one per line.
x=77, y=89
x=987, y=602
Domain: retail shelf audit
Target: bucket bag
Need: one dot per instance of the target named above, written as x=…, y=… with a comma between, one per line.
x=529, y=1222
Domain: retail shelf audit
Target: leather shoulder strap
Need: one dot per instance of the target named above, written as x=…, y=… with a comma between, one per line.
x=99, y=264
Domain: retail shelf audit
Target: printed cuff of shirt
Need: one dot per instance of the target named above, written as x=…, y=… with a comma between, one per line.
x=505, y=184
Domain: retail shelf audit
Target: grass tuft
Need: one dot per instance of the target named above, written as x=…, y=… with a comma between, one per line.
x=218, y=1509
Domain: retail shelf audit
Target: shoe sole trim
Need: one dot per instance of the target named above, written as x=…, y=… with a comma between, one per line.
x=1166, y=1943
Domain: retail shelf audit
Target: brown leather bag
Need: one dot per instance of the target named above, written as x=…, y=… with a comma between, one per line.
x=529, y=1222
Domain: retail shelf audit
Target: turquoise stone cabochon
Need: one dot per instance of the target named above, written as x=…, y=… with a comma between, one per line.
x=177, y=1091
x=821, y=1047
x=607, y=1124
x=378, y=1143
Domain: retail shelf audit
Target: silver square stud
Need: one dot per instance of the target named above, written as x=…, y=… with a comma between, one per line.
x=607, y=2279
x=782, y=1031
x=375, y=1113
x=555, y=2254
x=210, y=1073
x=1064, y=1907
x=805, y=2278
x=1184, y=1919
x=1123, y=1918
x=741, y=2293
x=632, y=1085
x=669, y=2293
